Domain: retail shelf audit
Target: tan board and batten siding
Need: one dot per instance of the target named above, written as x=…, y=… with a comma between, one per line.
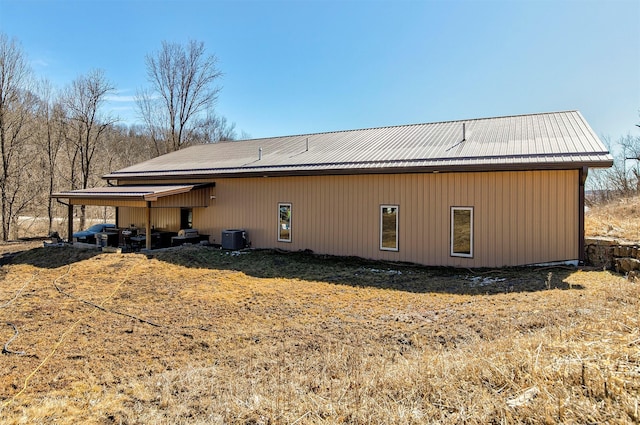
x=520, y=217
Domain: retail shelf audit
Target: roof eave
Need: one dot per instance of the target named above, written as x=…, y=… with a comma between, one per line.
x=135, y=195
x=69, y=195
x=273, y=172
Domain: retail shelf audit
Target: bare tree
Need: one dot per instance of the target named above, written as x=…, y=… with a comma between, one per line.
x=183, y=92
x=53, y=132
x=83, y=101
x=216, y=129
x=25, y=191
x=623, y=178
x=631, y=152
x=16, y=104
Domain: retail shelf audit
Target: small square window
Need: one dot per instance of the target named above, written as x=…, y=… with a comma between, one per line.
x=284, y=222
x=462, y=232
x=389, y=227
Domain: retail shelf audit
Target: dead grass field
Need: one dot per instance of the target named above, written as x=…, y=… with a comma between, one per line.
x=618, y=219
x=198, y=336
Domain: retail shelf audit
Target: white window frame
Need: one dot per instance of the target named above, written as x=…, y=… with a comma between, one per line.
x=461, y=254
x=280, y=205
x=397, y=208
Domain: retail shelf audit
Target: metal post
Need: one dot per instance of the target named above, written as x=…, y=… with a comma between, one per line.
x=70, y=222
x=147, y=226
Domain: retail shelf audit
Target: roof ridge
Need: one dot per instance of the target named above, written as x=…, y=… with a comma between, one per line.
x=400, y=125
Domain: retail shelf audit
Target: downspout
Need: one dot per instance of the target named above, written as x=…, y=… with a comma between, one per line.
x=582, y=178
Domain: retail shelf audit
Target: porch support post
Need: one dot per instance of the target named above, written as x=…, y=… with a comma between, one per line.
x=147, y=226
x=70, y=222
x=582, y=178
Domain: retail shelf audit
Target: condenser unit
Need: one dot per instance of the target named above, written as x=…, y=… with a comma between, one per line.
x=234, y=239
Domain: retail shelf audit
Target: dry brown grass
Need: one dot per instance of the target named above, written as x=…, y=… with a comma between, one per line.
x=262, y=338
x=618, y=219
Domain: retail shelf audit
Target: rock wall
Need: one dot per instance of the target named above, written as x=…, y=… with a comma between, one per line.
x=610, y=253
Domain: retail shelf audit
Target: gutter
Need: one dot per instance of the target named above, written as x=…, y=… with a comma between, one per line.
x=271, y=172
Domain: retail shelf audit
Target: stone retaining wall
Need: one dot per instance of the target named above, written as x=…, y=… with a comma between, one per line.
x=610, y=253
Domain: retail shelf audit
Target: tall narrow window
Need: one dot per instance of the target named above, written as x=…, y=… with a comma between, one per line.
x=462, y=232
x=284, y=222
x=389, y=227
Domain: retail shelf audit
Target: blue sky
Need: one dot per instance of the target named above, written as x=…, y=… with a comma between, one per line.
x=294, y=67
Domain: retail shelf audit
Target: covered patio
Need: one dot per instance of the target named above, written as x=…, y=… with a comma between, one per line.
x=138, y=196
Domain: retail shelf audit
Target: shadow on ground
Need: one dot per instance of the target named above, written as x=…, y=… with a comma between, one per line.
x=49, y=257
x=359, y=272
x=352, y=271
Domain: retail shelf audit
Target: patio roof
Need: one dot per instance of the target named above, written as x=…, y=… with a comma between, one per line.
x=132, y=193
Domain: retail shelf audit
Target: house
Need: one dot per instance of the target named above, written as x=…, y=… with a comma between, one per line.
x=488, y=192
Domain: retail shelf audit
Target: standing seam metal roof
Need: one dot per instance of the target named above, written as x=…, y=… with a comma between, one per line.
x=546, y=140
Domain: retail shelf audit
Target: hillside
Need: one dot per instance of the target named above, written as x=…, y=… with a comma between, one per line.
x=619, y=219
x=196, y=335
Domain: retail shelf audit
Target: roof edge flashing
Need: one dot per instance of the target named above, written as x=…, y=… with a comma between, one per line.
x=480, y=161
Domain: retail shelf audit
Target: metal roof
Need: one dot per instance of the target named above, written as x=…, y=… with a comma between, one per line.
x=555, y=140
x=136, y=193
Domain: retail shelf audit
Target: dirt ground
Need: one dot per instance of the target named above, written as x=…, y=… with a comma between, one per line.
x=199, y=335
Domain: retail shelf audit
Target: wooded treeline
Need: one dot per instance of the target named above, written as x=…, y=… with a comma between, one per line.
x=623, y=179
x=62, y=138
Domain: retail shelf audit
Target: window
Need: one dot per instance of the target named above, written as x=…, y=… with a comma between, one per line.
x=462, y=232
x=389, y=227
x=284, y=223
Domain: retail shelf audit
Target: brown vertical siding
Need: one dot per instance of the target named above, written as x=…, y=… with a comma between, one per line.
x=194, y=198
x=520, y=217
x=161, y=218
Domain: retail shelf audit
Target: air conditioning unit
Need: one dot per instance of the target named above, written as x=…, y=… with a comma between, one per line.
x=234, y=239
